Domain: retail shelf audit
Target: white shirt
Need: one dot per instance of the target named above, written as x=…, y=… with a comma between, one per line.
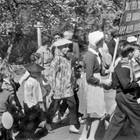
x=32, y=92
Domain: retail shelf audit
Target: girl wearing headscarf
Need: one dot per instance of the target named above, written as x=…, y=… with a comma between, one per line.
x=95, y=104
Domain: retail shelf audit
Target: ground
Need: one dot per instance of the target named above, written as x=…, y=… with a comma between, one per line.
x=61, y=131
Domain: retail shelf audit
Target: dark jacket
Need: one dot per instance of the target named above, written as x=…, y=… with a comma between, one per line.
x=111, y=46
x=122, y=80
x=91, y=66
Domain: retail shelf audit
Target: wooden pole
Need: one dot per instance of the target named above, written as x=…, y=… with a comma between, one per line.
x=114, y=56
x=39, y=26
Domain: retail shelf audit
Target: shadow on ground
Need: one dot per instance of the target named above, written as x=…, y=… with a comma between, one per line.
x=41, y=132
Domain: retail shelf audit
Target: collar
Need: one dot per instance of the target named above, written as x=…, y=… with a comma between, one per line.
x=96, y=53
x=93, y=51
x=124, y=61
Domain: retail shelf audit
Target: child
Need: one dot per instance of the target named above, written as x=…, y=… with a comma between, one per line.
x=127, y=93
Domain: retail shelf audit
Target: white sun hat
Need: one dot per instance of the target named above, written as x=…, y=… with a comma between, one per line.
x=95, y=37
x=7, y=120
x=131, y=39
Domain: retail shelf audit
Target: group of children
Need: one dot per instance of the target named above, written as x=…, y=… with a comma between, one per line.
x=40, y=102
x=40, y=91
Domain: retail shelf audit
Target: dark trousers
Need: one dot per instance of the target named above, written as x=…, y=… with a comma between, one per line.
x=64, y=105
x=70, y=103
x=127, y=109
x=32, y=118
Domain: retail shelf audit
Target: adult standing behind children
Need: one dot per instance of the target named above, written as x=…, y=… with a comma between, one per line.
x=46, y=58
x=112, y=43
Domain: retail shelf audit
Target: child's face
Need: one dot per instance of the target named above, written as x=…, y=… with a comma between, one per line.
x=56, y=37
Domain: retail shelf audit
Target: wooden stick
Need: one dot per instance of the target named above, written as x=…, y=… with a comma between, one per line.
x=114, y=56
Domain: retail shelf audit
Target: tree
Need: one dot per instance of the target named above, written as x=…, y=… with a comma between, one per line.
x=82, y=16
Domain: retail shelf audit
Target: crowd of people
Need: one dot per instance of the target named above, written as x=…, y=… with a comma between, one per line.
x=52, y=91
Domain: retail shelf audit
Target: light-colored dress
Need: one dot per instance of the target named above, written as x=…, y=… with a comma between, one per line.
x=32, y=92
x=95, y=93
x=95, y=100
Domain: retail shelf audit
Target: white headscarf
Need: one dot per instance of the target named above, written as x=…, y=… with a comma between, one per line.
x=95, y=37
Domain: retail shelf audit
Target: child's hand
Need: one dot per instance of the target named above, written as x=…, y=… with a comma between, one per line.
x=106, y=82
x=110, y=70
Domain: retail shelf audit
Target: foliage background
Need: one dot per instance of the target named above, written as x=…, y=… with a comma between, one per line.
x=18, y=17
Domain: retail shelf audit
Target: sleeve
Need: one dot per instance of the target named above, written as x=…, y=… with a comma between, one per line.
x=115, y=81
x=125, y=79
x=90, y=72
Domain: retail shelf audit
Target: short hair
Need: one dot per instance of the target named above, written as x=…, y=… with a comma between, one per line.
x=57, y=33
x=126, y=49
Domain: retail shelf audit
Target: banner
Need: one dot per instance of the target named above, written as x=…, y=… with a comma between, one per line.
x=130, y=22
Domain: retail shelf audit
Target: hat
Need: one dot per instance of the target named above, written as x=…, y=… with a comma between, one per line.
x=7, y=120
x=131, y=39
x=95, y=37
x=34, y=67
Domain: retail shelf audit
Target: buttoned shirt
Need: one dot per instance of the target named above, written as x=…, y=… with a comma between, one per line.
x=32, y=92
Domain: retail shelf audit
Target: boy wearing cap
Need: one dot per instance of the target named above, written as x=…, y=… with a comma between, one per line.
x=45, y=86
x=33, y=99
